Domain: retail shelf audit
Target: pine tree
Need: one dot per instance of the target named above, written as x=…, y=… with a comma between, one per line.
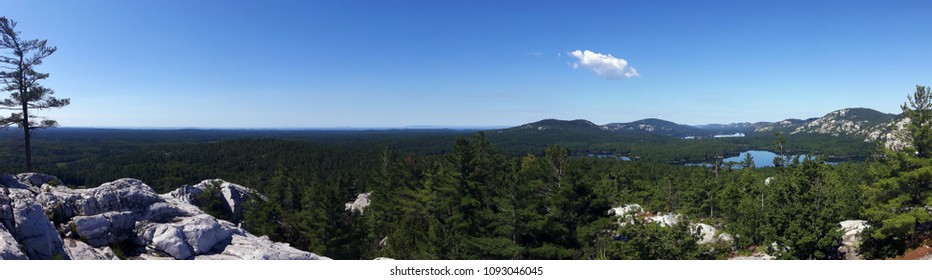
x=919, y=111
x=897, y=200
x=19, y=75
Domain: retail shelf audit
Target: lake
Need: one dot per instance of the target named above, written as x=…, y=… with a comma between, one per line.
x=604, y=155
x=761, y=158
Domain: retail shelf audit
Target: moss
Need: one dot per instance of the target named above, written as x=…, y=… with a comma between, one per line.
x=118, y=252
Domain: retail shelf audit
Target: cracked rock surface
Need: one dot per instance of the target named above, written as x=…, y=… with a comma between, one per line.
x=124, y=218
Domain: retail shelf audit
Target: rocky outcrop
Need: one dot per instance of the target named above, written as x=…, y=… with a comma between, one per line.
x=626, y=214
x=668, y=219
x=184, y=238
x=31, y=227
x=360, y=204
x=859, y=122
x=78, y=250
x=233, y=195
x=9, y=249
x=851, y=240
x=895, y=136
x=104, y=228
x=707, y=233
x=711, y=235
x=42, y=221
x=245, y=246
x=626, y=210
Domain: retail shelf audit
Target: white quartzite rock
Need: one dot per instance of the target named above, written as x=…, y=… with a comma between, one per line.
x=185, y=238
x=124, y=211
x=233, y=195
x=105, y=228
x=626, y=210
x=78, y=250
x=168, y=239
x=121, y=195
x=36, y=233
x=851, y=240
x=9, y=249
x=245, y=246
x=668, y=219
x=360, y=204
x=707, y=233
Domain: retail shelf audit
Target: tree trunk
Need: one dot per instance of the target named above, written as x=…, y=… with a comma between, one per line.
x=26, y=136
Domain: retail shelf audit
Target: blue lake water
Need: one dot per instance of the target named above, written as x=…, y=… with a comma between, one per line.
x=761, y=158
x=595, y=155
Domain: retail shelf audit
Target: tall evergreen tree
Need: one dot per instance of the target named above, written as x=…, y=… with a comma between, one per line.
x=897, y=200
x=21, y=79
x=919, y=111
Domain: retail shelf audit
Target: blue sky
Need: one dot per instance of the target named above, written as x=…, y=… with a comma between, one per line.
x=303, y=64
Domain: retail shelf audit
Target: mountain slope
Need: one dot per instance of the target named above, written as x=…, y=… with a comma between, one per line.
x=554, y=124
x=655, y=126
x=858, y=122
x=844, y=132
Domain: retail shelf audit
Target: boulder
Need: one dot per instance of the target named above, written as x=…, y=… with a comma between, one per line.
x=167, y=238
x=14, y=182
x=126, y=212
x=245, y=246
x=78, y=250
x=106, y=228
x=203, y=232
x=360, y=204
x=9, y=249
x=185, y=238
x=707, y=233
x=39, y=238
x=38, y=179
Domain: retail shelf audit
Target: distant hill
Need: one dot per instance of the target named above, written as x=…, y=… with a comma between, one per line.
x=554, y=124
x=851, y=121
x=574, y=134
x=861, y=124
x=655, y=126
x=744, y=127
x=864, y=124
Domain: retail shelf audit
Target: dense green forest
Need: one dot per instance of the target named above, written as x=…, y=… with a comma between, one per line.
x=476, y=202
x=446, y=194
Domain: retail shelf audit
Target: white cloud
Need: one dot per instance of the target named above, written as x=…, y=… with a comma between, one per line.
x=604, y=65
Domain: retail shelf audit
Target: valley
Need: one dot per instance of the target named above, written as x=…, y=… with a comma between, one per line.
x=555, y=179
